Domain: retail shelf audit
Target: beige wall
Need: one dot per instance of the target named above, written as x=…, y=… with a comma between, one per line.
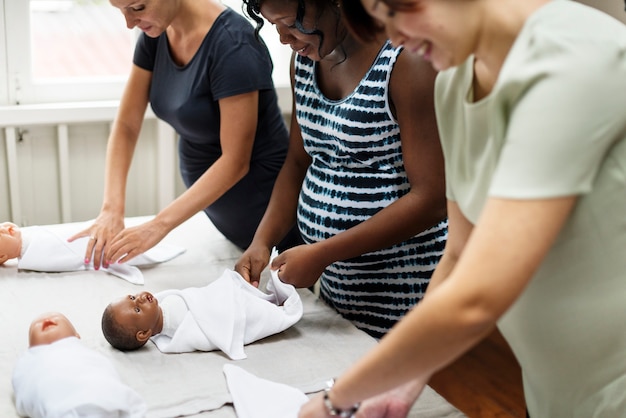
x=613, y=7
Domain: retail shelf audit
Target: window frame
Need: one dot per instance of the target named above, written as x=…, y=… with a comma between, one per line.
x=4, y=70
x=21, y=88
x=17, y=86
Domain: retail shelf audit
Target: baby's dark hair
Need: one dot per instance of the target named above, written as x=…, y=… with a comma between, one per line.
x=119, y=337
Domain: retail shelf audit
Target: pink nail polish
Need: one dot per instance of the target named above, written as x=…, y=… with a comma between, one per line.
x=86, y=261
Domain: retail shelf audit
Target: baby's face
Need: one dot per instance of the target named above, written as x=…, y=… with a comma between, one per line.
x=10, y=241
x=138, y=312
x=50, y=327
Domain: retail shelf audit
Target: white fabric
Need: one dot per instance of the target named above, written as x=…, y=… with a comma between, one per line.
x=67, y=379
x=254, y=397
x=229, y=313
x=48, y=250
x=174, y=311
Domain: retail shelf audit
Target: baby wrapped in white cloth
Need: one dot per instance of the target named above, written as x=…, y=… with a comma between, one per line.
x=225, y=315
x=64, y=378
x=47, y=249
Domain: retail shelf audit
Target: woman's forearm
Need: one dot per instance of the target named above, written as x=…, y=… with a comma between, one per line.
x=426, y=340
x=120, y=149
x=216, y=180
x=398, y=222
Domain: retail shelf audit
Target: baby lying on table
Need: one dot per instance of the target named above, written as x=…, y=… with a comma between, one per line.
x=60, y=377
x=226, y=315
x=45, y=248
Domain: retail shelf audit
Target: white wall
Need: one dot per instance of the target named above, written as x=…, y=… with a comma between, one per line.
x=45, y=179
x=41, y=162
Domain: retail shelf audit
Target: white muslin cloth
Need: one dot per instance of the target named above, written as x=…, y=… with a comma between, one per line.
x=48, y=250
x=254, y=397
x=229, y=313
x=67, y=379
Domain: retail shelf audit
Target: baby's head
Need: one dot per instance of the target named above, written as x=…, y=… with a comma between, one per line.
x=10, y=241
x=129, y=322
x=50, y=327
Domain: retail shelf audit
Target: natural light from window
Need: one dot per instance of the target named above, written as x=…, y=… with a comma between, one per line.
x=79, y=38
x=88, y=39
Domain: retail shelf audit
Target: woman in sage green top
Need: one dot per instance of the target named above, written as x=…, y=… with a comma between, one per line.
x=531, y=108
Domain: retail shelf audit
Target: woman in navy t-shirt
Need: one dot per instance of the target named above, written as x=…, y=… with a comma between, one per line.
x=204, y=72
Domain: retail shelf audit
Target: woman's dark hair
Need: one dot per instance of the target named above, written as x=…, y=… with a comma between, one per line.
x=362, y=25
x=253, y=10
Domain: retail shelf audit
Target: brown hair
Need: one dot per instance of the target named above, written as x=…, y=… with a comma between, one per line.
x=362, y=25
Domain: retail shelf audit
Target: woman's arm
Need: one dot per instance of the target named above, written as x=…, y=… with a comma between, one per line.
x=459, y=230
x=238, y=123
x=120, y=149
x=411, y=89
x=503, y=252
x=280, y=214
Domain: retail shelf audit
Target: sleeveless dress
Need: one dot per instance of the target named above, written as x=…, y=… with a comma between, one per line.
x=356, y=171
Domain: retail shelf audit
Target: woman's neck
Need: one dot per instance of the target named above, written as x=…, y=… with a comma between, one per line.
x=502, y=22
x=194, y=17
x=190, y=26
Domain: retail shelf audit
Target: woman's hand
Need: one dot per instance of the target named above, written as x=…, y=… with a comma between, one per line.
x=133, y=241
x=100, y=233
x=252, y=262
x=314, y=408
x=300, y=266
x=396, y=403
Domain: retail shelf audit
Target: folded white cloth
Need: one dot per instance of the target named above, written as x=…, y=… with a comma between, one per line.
x=229, y=313
x=48, y=250
x=67, y=379
x=254, y=397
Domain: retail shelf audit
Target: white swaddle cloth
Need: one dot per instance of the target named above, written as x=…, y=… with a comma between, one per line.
x=254, y=397
x=229, y=313
x=48, y=250
x=67, y=379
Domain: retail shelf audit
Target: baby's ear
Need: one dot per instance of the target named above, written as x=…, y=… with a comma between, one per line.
x=143, y=336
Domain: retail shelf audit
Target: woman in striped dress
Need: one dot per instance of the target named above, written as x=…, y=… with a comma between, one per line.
x=363, y=177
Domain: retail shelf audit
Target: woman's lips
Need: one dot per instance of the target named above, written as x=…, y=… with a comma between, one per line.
x=300, y=51
x=424, y=49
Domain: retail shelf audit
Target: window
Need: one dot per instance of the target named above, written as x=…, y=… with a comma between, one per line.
x=79, y=50
x=78, y=39
x=65, y=50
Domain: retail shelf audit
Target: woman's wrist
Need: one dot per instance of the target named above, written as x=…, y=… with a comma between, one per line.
x=331, y=407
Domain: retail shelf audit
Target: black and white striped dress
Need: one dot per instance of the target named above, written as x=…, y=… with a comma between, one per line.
x=356, y=171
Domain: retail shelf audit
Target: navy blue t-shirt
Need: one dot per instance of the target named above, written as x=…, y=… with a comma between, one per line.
x=230, y=61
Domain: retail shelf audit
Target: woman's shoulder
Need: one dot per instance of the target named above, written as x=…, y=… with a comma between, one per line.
x=234, y=34
x=563, y=33
x=233, y=25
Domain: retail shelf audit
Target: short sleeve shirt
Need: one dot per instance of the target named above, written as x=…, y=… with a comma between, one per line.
x=555, y=125
x=230, y=61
